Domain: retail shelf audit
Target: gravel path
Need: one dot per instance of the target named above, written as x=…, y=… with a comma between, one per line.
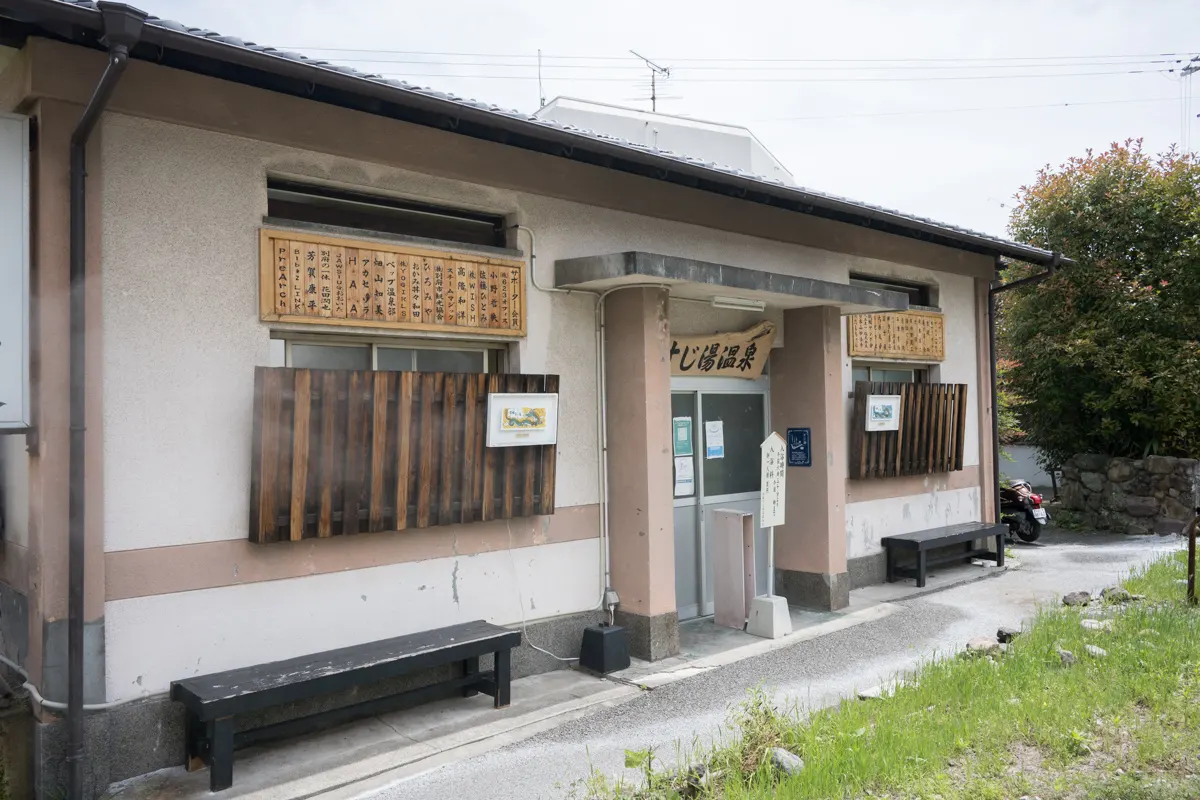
x=810, y=674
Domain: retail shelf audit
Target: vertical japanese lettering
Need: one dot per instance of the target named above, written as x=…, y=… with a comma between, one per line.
x=514, y=298
x=310, y=279
x=325, y=280
x=390, y=286
x=378, y=288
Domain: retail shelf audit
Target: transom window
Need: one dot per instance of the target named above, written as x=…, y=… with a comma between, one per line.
x=299, y=202
x=389, y=356
x=920, y=295
x=889, y=374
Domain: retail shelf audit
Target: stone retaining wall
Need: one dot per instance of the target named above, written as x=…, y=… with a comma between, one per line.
x=1156, y=494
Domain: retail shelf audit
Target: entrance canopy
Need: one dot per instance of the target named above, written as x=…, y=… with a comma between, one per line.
x=704, y=280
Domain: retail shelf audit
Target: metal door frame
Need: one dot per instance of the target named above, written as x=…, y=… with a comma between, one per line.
x=699, y=387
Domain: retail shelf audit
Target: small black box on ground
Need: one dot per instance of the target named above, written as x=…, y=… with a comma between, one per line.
x=605, y=649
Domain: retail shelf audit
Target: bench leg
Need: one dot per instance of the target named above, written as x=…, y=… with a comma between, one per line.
x=503, y=670
x=470, y=666
x=921, y=569
x=220, y=738
x=891, y=566
x=196, y=742
x=1000, y=550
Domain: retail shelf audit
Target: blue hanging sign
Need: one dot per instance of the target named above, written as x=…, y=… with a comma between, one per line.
x=799, y=447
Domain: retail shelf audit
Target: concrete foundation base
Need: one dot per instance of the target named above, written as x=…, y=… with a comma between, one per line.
x=867, y=570
x=147, y=735
x=769, y=617
x=821, y=591
x=651, y=638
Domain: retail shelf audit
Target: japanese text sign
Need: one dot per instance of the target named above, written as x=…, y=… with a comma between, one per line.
x=799, y=447
x=740, y=355
x=900, y=334
x=325, y=280
x=774, y=476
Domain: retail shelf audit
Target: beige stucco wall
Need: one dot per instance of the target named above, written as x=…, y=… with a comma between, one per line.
x=693, y=317
x=14, y=488
x=182, y=208
x=934, y=506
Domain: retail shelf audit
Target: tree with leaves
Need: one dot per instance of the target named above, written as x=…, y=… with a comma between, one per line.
x=1105, y=355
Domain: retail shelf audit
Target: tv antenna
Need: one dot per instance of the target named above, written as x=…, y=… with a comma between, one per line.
x=541, y=92
x=655, y=71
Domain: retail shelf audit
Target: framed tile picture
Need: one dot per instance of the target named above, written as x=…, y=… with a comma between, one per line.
x=517, y=420
x=883, y=412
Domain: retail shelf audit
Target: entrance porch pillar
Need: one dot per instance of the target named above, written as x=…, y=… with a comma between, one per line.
x=640, y=510
x=806, y=391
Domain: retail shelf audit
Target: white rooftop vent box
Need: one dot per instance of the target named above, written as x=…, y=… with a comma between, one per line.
x=729, y=146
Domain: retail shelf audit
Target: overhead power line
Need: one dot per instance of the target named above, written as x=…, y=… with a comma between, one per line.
x=916, y=112
x=533, y=57
x=751, y=68
x=873, y=79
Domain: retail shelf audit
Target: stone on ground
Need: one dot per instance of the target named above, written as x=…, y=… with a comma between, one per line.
x=1077, y=598
x=1116, y=594
x=1067, y=657
x=1005, y=635
x=786, y=762
x=1096, y=624
x=1095, y=652
x=983, y=645
x=874, y=693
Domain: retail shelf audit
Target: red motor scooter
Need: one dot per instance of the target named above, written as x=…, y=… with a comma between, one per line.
x=1021, y=510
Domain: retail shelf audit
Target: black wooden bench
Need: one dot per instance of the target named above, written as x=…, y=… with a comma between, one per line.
x=921, y=542
x=213, y=701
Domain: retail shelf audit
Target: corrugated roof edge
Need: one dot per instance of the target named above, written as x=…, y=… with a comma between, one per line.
x=236, y=52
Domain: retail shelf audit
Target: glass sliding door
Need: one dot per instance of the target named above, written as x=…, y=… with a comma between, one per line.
x=725, y=421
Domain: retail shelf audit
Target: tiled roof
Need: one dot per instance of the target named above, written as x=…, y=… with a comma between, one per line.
x=771, y=185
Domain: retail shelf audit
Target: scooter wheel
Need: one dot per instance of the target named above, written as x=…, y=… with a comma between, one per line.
x=1030, y=532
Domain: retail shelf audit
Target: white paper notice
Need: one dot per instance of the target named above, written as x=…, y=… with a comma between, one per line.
x=714, y=439
x=685, y=478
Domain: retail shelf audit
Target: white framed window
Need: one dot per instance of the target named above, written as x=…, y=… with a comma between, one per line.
x=313, y=352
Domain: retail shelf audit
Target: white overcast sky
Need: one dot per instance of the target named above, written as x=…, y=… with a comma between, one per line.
x=907, y=142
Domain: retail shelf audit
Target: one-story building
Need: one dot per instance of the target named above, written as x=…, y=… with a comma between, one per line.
x=301, y=285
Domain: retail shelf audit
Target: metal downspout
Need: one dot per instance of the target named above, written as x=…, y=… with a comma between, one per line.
x=122, y=28
x=995, y=394
x=997, y=288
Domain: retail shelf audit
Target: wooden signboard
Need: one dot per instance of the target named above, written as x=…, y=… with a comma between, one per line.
x=736, y=355
x=900, y=334
x=324, y=280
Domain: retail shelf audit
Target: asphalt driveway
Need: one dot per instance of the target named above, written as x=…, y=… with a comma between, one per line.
x=810, y=674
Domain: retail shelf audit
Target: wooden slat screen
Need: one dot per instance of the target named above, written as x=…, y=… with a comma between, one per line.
x=338, y=452
x=933, y=418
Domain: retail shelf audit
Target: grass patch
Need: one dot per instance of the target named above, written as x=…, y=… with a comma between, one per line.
x=1123, y=726
x=1070, y=520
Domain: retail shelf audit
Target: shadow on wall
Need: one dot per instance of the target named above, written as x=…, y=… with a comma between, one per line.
x=869, y=521
x=1024, y=464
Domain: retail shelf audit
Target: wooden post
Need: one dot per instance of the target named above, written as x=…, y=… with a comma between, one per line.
x=1191, y=565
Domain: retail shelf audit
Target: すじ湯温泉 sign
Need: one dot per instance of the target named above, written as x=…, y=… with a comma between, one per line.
x=738, y=355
